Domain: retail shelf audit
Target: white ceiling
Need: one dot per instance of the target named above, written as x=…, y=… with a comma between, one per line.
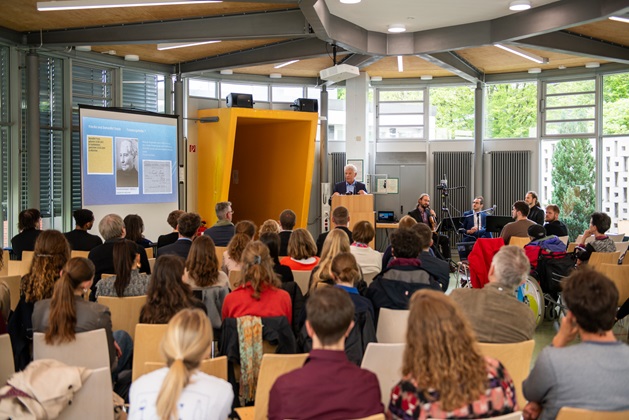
x=420, y=15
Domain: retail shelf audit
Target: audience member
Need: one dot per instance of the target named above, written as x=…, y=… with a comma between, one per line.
x=233, y=254
x=167, y=293
x=223, y=230
x=350, y=185
x=79, y=238
x=405, y=222
x=444, y=373
x=369, y=260
x=287, y=223
x=272, y=241
x=258, y=292
x=599, y=224
x=592, y=373
x=494, y=312
x=519, y=228
x=536, y=213
x=203, y=274
x=172, y=237
x=346, y=275
x=180, y=391
x=269, y=226
x=474, y=221
x=134, y=226
x=553, y=225
x=335, y=243
x=5, y=305
x=29, y=221
x=424, y=214
x=302, y=251
x=340, y=220
x=247, y=227
x=128, y=281
x=540, y=242
x=52, y=251
x=187, y=226
x=328, y=386
x=437, y=268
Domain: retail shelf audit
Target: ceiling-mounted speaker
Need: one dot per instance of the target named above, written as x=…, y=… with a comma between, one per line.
x=239, y=100
x=305, y=105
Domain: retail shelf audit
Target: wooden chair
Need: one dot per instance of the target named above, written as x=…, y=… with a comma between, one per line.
x=516, y=358
x=519, y=242
x=272, y=367
x=374, y=417
x=92, y=398
x=125, y=311
x=392, y=326
x=106, y=275
x=89, y=349
x=152, y=264
x=619, y=274
x=6, y=257
x=18, y=268
x=219, y=254
x=385, y=360
x=27, y=259
x=234, y=278
x=14, y=288
x=148, y=338
x=149, y=252
x=302, y=278
x=569, y=413
x=214, y=367
x=7, y=368
x=82, y=254
x=571, y=247
x=598, y=258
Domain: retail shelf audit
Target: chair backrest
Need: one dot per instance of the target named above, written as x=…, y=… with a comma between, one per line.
x=214, y=367
x=374, y=417
x=616, y=237
x=385, y=360
x=569, y=413
x=89, y=349
x=571, y=247
x=621, y=247
x=7, y=368
x=519, y=242
x=82, y=254
x=219, y=254
x=623, y=227
x=152, y=264
x=564, y=239
x=369, y=277
x=598, y=258
x=392, y=326
x=92, y=398
x=234, y=278
x=619, y=274
x=517, y=415
x=149, y=252
x=106, y=275
x=14, y=289
x=148, y=338
x=4, y=271
x=516, y=358
x=27, y=259
x=302, y=278
x=18, y=268
x=125, y=311
x=590, y=239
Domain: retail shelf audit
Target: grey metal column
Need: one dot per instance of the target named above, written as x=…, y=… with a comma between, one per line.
x=323, y=136
x=32, y=128
x=168, y=94
x=479, y=126
x=181, y=146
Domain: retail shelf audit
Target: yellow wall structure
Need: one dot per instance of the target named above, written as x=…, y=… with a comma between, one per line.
x=260, y=160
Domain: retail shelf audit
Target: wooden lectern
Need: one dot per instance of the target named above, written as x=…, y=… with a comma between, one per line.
x=360, y=208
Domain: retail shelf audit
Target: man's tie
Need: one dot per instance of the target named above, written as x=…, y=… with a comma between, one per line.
x=478, y=220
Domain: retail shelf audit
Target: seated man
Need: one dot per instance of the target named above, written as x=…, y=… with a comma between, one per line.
x=424, y=214
x=328, y=386
x=553, y=225
x=599, y=224
x=79, y=238
x=592, y=373
x=340, y=220
x=172, y=237
x=223, y=230
x=494, y=312
x=519, y=228
x=187, y=225
x=474, y=221
x=287, y=223
x=439, y=269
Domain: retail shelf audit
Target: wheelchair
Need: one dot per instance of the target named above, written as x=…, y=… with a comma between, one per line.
x=551, y=269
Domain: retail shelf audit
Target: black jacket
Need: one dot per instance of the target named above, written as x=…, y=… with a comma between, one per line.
x=321, y=238
x=81, y=240
x=536, y=214
x=24, y=241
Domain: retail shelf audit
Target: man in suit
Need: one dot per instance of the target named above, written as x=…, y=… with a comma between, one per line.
x=474, y=221
x=187, y=224
x=172, y=237
x=223, y=230
x=79, y=238
x=340, y=220
x=287, y=222
x=350, y=185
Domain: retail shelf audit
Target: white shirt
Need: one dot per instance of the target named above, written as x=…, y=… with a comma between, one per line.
x=205, y=398
x=369, y=260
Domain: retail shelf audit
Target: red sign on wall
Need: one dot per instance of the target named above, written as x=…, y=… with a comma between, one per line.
x=192, y=148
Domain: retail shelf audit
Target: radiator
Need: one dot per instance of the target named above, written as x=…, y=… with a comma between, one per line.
x=337, y=167
x=510, y=179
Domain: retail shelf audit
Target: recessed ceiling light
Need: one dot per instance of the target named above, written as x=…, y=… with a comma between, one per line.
x=619, y=19
x=132, y=57
x=350, y=1
x=519, y=5
x=535, y=70
x=173, y=45
x=426, y=77
x=592, y=65
x=227, y=72
x=275, y=75
x=376, y=78
x=396, y=28
x=279, y=66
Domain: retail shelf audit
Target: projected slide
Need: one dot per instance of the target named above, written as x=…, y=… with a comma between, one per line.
x=128, y=157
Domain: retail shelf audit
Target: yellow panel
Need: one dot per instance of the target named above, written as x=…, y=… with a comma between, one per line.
x=260, y=160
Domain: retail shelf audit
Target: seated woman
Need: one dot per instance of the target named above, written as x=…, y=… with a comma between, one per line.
x=272, y=241
x=336, y=242
x=247, y=227
x=167, y=293
x=302, y=251
x=202, y=274
x=233, y=254
x=128, y=280
x=369, y=260
x=444, y=373
x=52, y=251
x=258, y=293
x=180, y=391
x=28, y=224
x=134, y=225
x=67, y=313
x=269, y=226
x=346, y=275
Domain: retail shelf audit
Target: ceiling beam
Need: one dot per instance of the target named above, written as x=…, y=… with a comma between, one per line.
x=299, y=49
x=360, y=60
x=278, y=24
x=454, y=63
x=569, y=43
x=11, y=36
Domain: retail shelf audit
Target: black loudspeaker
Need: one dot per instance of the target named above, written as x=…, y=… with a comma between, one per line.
x=239, y=100
x=305, y=105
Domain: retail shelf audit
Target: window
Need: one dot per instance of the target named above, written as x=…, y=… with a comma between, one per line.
x=614, y=168
x=400, y=115
x=569, y=108
x=201, y=88
x=5, y=142
x=336, y=114
x=616, y=104
x=260, y=92
x=286, y=93
x=451, y=113
x=141, y=91
x=511, y=110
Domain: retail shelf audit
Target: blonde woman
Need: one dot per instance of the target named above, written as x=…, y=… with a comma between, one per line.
x=233, y=254
x=302, y=251
x=180, y=391
x=269, y=226
x=336, y=242
x=444, y=373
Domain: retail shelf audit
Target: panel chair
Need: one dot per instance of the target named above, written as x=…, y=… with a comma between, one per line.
x=148, y=338
x=125, y=311
x=374, y=417
x=7, y=368
x=619, y=274
x=385, y=360
x=18, y=268
x=219, y=254
x=213, y=367
x=598, y=258
x=234, y=278
x=76, y=254
x=149, y=252
x=516, y=358
x=616, y=237
x=89, y=349
x=392, y=326
x=27, y=259
x=152, y=264
x=621, y=247
x=569, y=413
x=14, y=289
x=571, y=247
x=519, y=242
x=302, y=278
x=272, y=367
x=369, y=277
x=6, y=257
x=92, y=398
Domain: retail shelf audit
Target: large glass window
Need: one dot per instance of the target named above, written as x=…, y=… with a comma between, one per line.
x=614, y=169
x=5, y=142
x=616, y=104
x=511, y=110
x=400, y=115
x=260, y=92
x=336, y=114
x=142, y=91
x=569, y=108
x=451, y=113
x=286, y=93
x=202, y=88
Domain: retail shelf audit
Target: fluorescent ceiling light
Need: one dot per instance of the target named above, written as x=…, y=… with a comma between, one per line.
x=279, y=66
x=535, y=70
x=425, y=77
x=619, y=19
x=525, y=54
x=104, y=4
x=519, y=5
x=173, y=45
x=350, y=1
x=227, y=71
x=376, y=78
x=396, y=28
x=400, y=63
x=132, y=57
x=592, y=65
x=275, y=75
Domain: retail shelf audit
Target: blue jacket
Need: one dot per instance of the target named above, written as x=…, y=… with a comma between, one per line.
x=341, y=187
x=467, y=223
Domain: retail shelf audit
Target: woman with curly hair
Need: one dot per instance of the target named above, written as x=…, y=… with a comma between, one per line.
x=336, y=242
x=302, y=251
x=444, y=373
x=231, y=257
x=202, y=274
x=51, y=253
x=167, y=293
x=269, y=226
x=128, y=280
